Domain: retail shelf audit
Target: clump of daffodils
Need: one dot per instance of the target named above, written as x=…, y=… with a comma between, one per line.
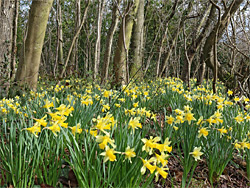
x=157, y=163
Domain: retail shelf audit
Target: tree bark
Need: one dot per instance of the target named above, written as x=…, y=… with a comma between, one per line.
x=109, y=42
x=7, y=10
x=215, y=47
x=28, y=68
x=74, y=55
x=101, y=6
x=137, y=44
x=14, y=42
x=59, y=53
x=121, y=53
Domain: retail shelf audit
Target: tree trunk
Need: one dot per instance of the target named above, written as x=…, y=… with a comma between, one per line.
x=109, y=42
x=27, y=72
x=207, y=55
x=74, y=55
x=215, y=47
x=101, y=5
x=137, y=44
x=59, y=56
x=7, y=10
x=14, y=42
x=121, y=53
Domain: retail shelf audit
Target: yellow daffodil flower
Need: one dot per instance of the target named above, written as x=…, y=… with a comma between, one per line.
x=76, y=129
x=48, y=104
x=134, y=123
x=189, y=117
x=203, y=132
x=34, y=130
x=162, y=172
x=41, y=121
x=54, y=128
x=222, y=131
x=104, y=140
x=146, y=164
x=150, y=144
x=109, y=154
x=196, y=153
x=170, y=120
x=129, y=152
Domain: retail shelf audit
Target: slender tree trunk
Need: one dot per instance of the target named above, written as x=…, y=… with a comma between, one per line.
x=121, y=53
x=101, y=6
x=109, y=42
x=14, y=44
x=7, y=11
x=28, y=68
x=78, y=24
x=59, y=52
x=137, y=44
x=186, y=57
x=215, y=47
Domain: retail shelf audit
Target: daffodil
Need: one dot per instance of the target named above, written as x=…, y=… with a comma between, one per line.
x=162, y=158
x=200, y=121
x=76, y=129
x=92, y=132
x=237, y=146
x=147, y=165
x=48, y=104
x=34, y=130
x=229, y=92
x=104, y=140
x=105, y=107
x=150, y=144
x=170, y=120
x=236, y=99
x=203, y=132
x=107, y=93
x=189, y=117
x=222, y=131
x=162, y=172
x=41, y=121
x=64, y=110
x=117, y=105
x=179, y=119
x=239, y=118
x=54, y=128
x=210, y=120
x=196, y=153
x=134, y=123
x=103, y=124
x=109, y=154
x=245, y=144
x=165, y=146
x=135, y=104
x=129, y=153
